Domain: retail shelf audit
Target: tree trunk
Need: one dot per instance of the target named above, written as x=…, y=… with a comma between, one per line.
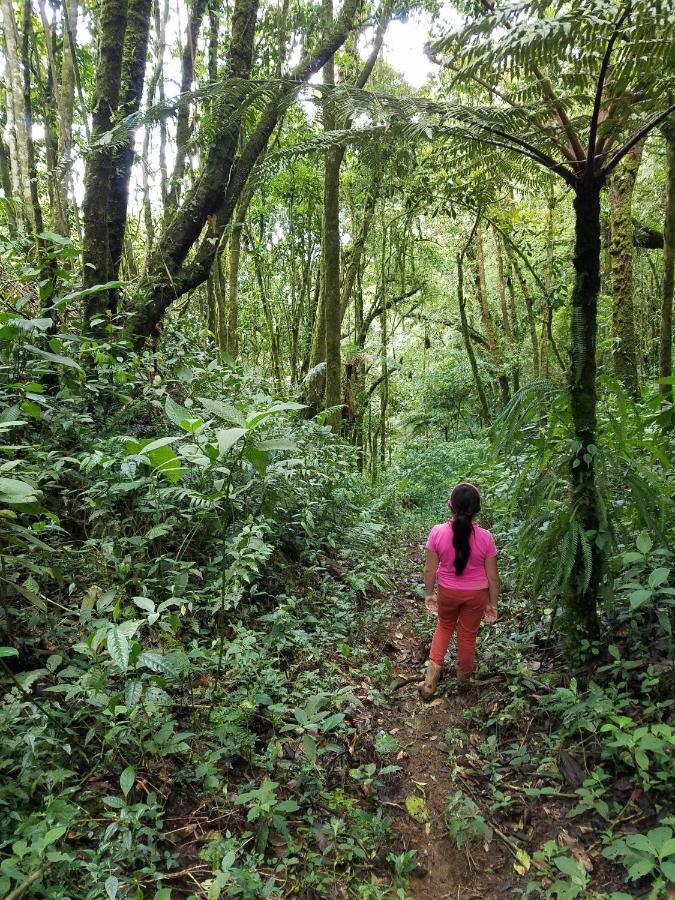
x=28, y=114
x=233, y=262
x=506, y=320
x=133, y=78
x=96, y=250
x=666, y=341
x=6, y=184
x=330, y=256
x=16, y=110
x=223, y=180
x=621, y=188
x=547, y=325
x=183, y=116
x=482, y=400
x=581, y=599
x=67, y=101
x=486, y=318
x=529, y=307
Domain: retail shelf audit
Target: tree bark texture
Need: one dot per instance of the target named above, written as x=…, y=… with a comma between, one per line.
x=581, y=598
x=16, y=119
x=96, y=251
x=461, y=300
x=27, y=32
x=666, y=336
x=139, y=16
x=486, y=318
x=621, y=188
x=330, y=251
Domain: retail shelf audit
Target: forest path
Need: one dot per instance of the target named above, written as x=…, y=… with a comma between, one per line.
x=417, y=800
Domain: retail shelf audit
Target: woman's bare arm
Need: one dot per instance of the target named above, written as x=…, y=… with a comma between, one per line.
x=430, y=569
x=492, y=573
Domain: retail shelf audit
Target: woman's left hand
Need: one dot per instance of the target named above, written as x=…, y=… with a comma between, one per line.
x=431, y=603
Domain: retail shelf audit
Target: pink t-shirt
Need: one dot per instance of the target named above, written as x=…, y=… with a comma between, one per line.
x=473, y=577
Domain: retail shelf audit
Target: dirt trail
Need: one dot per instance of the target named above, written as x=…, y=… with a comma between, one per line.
x=417, y=800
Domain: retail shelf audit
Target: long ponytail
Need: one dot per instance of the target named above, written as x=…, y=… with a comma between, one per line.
x=464, y=501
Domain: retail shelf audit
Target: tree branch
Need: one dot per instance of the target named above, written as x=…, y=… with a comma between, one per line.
x=597, y=102
x=636, y=138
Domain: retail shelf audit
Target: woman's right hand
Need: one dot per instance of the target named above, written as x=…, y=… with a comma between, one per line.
x=491, y=614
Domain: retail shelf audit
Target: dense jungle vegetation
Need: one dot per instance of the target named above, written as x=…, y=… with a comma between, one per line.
x=274, y=276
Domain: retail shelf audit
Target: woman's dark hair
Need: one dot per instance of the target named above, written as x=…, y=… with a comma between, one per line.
x=464, y=502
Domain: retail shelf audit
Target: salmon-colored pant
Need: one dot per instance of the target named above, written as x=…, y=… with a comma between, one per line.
x=462, y=610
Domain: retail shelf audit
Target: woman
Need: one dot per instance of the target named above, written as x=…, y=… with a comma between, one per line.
x=464, y=557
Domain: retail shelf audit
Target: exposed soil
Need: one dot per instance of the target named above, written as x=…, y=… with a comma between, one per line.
x=420, y=729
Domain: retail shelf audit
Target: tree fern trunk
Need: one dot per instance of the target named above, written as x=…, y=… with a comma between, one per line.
x=582, y=596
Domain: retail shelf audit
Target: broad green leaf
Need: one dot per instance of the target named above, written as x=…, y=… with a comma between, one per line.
x=144, y=603
x=13, y=490
x=257, y=416
x=640, y=868
x=54, y=238
x=54, y=834
x=118, y=648
x=31, y=324
x=640, y=842
x=658, y=576
x=56, y=358
x=277, y=444
x=668, y=869
x=8, y=651
x=227, y=438
x=90, y=292
x=111, y=885
x=643, y=542
x=127, y=779
x=159, y=442
x=133, y=693
x=309, y=746
x=258, y=459
x=639, y=598
x=568, y=866
x=161, y=457
x=658, y=836
x=181, y=416
x=224, y=411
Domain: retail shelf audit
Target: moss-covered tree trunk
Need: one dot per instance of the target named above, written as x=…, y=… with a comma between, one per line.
x=139, y=16
x=95, y=249
x=582, y=596
x=464, y=323
x=16, y=116
x=487, y=320
x=666, y=337
x=529, y=308
x=621, y=242
x=330, y=249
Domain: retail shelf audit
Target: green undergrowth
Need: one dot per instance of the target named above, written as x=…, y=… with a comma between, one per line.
x=186, y=570
x=566, y=765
